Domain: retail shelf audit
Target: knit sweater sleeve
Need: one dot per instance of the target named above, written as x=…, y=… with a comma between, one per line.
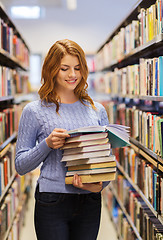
x=29, y=155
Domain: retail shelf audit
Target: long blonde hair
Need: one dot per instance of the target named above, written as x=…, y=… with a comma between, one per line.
x=51, y=67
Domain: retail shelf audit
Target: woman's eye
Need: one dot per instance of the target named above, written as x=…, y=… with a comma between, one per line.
x=64, y=69
x=77, y=69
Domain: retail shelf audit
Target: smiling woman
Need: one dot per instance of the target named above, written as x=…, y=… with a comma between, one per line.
x=62, y=211
x=65, y=61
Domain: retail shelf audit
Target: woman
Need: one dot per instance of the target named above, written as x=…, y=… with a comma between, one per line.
x=62, y=211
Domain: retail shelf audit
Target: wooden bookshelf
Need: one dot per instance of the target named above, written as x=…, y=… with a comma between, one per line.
x=10, y=61
x=6, y=99
x=141, y=51
x=137, y=97
x=15, y=62
x=7, y=19
x=125, y=212
x=5, y=143
x=7, y=188
x=140, y=192
x=130, y=16
x=114, y=58
x=138, y=146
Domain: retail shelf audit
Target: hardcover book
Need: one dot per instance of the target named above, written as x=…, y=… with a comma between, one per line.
x=118, y=134
x=106, y=159
x=90, y=178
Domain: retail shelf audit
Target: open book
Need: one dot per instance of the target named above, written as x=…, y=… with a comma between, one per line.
x=118, y=134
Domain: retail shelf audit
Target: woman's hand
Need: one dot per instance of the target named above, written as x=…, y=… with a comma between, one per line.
x=92, y=187
x=57, y=138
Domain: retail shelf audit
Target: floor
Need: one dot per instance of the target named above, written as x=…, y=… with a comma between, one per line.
x=106, y=232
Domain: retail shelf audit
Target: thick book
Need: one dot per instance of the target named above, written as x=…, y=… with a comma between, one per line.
x=110, y=158
x=85, y=143
x=86, y=149
x=82, y=136
x=85, y=155
x=92, y=178
x=92, y=166
x=118, y=134
x=91, y=171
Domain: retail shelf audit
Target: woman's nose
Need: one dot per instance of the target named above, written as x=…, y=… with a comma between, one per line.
x=72, y=73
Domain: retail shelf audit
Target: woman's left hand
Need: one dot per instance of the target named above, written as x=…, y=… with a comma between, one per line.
x=92, y=187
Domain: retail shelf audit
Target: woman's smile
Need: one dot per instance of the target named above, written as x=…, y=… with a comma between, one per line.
x=71, y=81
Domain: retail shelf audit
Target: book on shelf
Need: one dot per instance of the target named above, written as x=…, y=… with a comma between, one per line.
x=118, y=134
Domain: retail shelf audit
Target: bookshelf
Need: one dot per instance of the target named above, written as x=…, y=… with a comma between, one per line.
x=14, y=84
x=129, y=70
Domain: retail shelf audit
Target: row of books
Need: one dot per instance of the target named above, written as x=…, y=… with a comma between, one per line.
x=148, y=181
x=145, y=127
x=7, y=167
x=140, y=31
x=13, y=207
x=8, y=208
x=13, y=44
x=141, y=216
x=143, y=79
x=9, y=120
x=123, y=227
x=125, y=230
x=13, y=82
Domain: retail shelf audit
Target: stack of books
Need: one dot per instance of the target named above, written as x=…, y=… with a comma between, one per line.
x=88, y=153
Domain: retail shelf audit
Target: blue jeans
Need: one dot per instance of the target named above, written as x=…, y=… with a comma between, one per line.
x=60, y=216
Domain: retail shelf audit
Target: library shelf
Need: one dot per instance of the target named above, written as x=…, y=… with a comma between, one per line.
x=139, y=192
x=9, y=140
x=116, y=54
x=140, y=51
x=7, y=187
x=137, y=97
x=125, y=212
x=10, y=61
x=5, y=150
x=6, y=99
x=129, y=17
x=148, y=158
x=151, y=154
x=22, y=199
x=9, y=228
x=6, y=18
x=17, y=62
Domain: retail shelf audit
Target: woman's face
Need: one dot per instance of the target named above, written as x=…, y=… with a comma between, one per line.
x=69, y=75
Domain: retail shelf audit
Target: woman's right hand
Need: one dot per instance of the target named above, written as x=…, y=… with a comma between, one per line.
x=57, y=138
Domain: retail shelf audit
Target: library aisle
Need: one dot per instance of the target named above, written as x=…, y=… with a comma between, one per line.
x=27, y=231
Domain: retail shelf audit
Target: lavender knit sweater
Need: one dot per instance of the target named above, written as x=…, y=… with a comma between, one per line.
x=37, y=121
